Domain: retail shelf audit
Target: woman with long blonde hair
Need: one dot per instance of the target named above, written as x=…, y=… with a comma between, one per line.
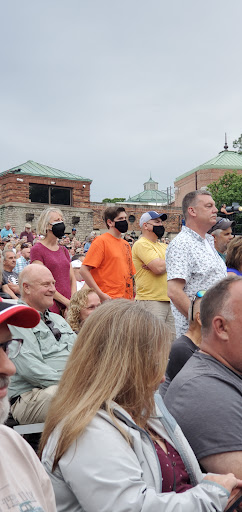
x=106, y=445
x=56, y=258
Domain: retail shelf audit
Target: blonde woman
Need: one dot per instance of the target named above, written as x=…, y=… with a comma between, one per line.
x=82, y=304
x=106, y=446
x=55, y=257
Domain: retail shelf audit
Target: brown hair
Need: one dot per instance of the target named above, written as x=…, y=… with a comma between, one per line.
x=120, y=354
x=190, y=199
x=234, y=254
x=112, y=212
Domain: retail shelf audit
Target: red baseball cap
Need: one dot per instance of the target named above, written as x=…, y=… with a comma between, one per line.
x=19, y=315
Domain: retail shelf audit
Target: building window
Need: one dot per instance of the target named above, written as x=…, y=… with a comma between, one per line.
x=49, y=195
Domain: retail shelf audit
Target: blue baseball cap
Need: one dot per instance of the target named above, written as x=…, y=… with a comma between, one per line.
x=151, y=216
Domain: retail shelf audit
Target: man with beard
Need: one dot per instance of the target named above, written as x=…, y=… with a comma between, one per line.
x=23, y=479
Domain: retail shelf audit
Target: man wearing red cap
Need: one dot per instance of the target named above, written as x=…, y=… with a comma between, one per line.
x=24, y=482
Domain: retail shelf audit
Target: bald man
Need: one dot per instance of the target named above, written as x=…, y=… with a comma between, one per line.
x=46, y=348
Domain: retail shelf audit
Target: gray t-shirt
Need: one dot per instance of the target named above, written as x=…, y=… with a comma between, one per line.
x=205, y=399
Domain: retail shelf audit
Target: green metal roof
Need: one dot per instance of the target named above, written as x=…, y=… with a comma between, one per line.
x=230, y=160
x=149, y=196
x=31, y=168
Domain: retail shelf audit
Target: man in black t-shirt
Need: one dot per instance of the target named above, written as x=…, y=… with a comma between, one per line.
x=9, y=277
x=184, y=346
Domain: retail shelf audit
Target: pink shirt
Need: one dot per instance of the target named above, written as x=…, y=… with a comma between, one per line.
x=58, y=262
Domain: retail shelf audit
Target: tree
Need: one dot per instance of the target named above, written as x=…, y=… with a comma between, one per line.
x=238, y=144
x=115, y=200
x=227, y=189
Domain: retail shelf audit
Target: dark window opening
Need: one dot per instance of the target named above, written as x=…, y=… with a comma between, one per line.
x=49, y=195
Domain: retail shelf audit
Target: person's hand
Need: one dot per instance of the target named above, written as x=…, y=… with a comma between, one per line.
x=228, y=481
x=145, y=267
x=104, y=296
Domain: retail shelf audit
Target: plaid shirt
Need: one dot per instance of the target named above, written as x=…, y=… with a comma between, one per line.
x=20, y=264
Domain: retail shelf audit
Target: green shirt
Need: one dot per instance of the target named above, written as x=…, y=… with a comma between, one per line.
x=42, y=359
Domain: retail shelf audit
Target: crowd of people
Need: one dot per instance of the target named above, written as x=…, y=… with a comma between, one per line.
x=111, y=380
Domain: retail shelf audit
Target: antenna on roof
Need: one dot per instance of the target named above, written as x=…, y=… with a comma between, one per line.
x=226, y=145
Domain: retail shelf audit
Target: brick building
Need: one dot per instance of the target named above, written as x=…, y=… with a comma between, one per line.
x=28, y=188
x=207, y=173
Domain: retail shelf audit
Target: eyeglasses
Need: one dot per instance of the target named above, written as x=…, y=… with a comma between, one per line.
x=16, y=344
x=53, y=329
x=198, y=295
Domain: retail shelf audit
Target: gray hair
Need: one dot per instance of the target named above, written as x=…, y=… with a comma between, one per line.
x=5, y=252
x=190, y=199
x=217, y=232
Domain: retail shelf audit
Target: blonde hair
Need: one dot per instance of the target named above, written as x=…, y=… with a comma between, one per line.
x=78, y=301
x=44, y=218
x=120, y=354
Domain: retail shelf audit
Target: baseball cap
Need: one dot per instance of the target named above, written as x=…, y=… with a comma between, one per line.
x=73, y=229
x=28, y=225
x=151, y=216
x=76, y=264
x=19, y=315
x=222, y=223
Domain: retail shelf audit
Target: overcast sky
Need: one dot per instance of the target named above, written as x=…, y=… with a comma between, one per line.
x=114, y=90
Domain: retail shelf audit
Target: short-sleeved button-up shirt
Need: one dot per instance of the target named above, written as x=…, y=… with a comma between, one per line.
x=189, y=257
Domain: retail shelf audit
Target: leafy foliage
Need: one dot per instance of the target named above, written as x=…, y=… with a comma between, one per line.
x=238, y=144
x=227, y=189
x=114, y=200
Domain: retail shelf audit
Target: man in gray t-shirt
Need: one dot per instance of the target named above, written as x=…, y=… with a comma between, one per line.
x=205, y=396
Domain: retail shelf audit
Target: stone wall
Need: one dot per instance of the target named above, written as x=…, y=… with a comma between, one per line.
x=90, y=218
x=16, y=213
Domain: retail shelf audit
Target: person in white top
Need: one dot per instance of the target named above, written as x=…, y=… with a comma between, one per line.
x=24, y=482
x=192, y=262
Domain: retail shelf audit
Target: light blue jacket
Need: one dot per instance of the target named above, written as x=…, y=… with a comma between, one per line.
x=102, y=472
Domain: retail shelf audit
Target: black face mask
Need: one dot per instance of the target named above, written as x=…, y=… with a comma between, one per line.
x=159, y=231
x=58, y=229
x=121, y=226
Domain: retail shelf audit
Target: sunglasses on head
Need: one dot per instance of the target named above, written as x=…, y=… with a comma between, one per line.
x=198, y=295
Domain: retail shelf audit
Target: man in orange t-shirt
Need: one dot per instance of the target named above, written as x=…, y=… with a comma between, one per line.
x=108, y=265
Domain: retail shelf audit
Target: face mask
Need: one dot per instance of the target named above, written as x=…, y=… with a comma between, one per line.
x=121, y=226
x=58, y=229
x=159, y=231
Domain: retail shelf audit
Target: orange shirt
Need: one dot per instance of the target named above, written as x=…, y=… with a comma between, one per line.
x=113, y=268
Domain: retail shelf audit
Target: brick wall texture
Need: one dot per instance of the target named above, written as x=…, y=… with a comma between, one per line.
x=15, y=205
x=197, y=180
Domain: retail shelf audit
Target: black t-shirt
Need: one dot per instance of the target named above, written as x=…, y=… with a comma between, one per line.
x=181, y=350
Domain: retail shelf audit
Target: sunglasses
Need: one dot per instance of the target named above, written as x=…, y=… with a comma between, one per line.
x=198, y=295
x=53, y=329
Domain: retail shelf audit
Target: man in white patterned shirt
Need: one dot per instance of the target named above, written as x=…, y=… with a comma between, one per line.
x=192, y=262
